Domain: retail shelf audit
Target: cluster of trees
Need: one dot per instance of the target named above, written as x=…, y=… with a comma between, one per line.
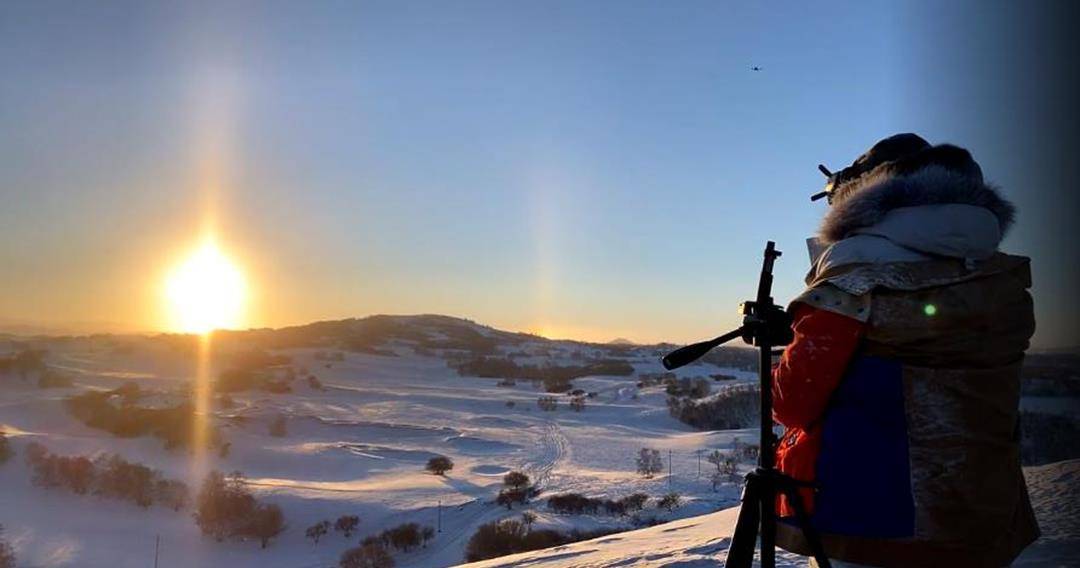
x=727, y=463
x=251, y=369
x=109, y=476
x=577, y=504
x=733, y=358
x=24, y=363
x=732, y=408
x=7, y=554
x=5, y=448
x=547, y=403
x=649, y=462
x=329, y=356
x=556, y=378
x=404, y=537
x=53, y=379
x=697, y=387
x=517, y=489
x=367, y=555
x=652, y=379
x=345, y=524
x=511, y=536
x=1047, y=438
x=439, y=465
x=225, y=508
x=174, y=425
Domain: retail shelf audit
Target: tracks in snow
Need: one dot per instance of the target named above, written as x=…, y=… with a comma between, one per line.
x=555, y=449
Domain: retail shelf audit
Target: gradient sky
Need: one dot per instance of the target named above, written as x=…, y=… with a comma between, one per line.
x=588, y=169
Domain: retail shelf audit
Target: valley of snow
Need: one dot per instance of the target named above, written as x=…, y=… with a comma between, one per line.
x=359, y=446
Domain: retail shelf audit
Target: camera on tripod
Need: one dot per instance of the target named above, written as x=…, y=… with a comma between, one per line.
x=765, y=325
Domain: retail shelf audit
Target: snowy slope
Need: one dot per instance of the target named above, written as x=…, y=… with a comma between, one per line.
x=702, y=541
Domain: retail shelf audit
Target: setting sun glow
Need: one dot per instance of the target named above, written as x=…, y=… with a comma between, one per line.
x=205, y=292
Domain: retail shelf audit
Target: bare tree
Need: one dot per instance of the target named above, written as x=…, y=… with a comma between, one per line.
x=346, y=524
x=439, y=465
x=649, y=462
x=317, y=531
x=528, y=517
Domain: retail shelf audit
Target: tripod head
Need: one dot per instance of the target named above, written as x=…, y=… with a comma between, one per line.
x=764, y=323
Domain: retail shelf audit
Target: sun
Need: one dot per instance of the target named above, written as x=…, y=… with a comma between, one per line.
x=205, y=292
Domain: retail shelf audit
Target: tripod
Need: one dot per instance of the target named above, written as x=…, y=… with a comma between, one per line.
x=764, y=325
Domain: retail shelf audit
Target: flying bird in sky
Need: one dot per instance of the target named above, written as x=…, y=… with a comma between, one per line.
x=755, y=68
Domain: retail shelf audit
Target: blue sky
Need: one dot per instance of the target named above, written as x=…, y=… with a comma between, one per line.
x=590, y=169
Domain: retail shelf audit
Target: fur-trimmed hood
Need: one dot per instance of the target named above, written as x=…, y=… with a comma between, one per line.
x=882, y=190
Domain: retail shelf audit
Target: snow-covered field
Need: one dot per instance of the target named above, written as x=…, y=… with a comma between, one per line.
x=359, y=446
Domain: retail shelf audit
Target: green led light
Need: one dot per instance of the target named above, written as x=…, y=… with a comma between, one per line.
x=929, y=309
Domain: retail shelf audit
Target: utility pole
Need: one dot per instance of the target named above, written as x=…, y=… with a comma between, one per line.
x=669, y=469
x=157, y=546
x=439, y=519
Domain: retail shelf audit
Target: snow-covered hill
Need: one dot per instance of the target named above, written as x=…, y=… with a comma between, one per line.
x=389, y=400
x=386, y=397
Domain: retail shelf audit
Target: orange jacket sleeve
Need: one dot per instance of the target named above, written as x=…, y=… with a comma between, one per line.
x=813, y=364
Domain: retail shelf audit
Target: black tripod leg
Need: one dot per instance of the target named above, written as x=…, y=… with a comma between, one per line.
x=808, y=530
x=740, y=553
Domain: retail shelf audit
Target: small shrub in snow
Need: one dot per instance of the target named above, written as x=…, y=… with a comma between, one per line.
x=670, y=501
x=315, y=532
x=635, y=501
x=369, y=555
x=1047, y=438
x=697, y=387
x=5, y=448
x=346, y=524
x=510, y=404
x=745, y=452
x=577, y=404
x=516, y=480
x=426, y=533
x=547, y=403
x=7, y=554
x=439, y=465
x=267, y=523
x=314, y=383
x=528, y=517
x=279, y=427
x=51, y=379
x=507, y=497
x=649, y=462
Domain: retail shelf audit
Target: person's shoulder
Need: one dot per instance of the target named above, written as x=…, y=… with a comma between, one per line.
x=826, y=296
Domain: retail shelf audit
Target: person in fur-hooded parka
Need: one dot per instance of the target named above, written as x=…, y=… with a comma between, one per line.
x=900, y=391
